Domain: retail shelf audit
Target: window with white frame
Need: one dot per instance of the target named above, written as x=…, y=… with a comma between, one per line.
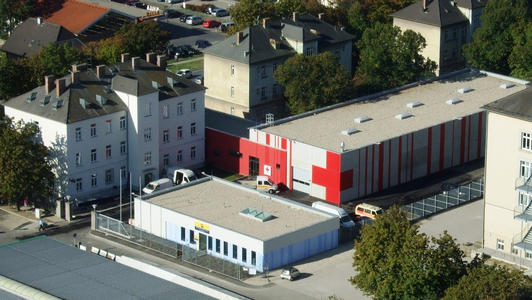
x=108, y=124
x=462, y=31
x=193, y=105
x=193, y=128
x=232, y=70
x=476, y=21
x=193, y=152
x=309, y=51
x=123, y=172
x=179, y=132
x=147, y=158
x=263, y=71
x=165, y=136
x=526, y=141
x=109, y=176
x=79, y=160
x=524, y=199
x=79, y=185
x=94, y=180
x=528, y=255
x=180, y=108
x=515, y=251
x=263, y=93
x=93, y=155
x=526, y=169
x=147, y=109
x=166, y=111
x=108, y=151
x=147, y=134
x=500, y=244
x=123, y=148
x=275, y=65
x=93, y=130
x=166, y=160
x=179, y=156
x=232, y=92
x=455, y=33
x=445, y=54
x=122, y=123
x=78, y=134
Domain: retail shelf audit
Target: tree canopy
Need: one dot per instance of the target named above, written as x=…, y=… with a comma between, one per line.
x=390, y=58
x=394, y=261
x=26, y=173
x=312, y=82
x=12, y=12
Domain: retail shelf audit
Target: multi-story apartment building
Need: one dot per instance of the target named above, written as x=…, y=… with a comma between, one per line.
x=239, y=70
x=446, y=25
x=113, y=123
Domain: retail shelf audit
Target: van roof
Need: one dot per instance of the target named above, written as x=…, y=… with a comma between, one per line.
x=369, y=206
x=162, y=180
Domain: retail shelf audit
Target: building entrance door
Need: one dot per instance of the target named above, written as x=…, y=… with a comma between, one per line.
x=253, y=166
x=202, y=242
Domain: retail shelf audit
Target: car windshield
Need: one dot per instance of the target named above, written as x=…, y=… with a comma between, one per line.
x=150, y=187
x=346, y=219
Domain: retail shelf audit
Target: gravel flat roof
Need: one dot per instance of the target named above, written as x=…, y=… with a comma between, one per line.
x=323, y=128
x=219, y=202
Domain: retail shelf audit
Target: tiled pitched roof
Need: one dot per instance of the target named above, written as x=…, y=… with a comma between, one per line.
x=516, y=105
x=471, y=4
x=313, y=28
x=438, y=13
x=29, y=37
x=77, y=15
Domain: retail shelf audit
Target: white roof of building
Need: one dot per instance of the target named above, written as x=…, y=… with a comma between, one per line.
x=328, y=128
x=219, y=202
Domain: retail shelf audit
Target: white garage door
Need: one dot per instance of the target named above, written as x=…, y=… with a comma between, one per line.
x=301, y=180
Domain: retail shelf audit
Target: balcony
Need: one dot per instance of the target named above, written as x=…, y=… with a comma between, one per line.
x=523, y=240
x=524, y=185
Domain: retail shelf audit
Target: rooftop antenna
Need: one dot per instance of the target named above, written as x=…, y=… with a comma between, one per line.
x=342, y=146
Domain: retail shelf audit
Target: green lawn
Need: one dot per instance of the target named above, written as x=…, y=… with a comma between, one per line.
x=192, y=65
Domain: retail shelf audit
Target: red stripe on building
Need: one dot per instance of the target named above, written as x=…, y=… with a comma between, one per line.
x=429, y=150
x=462, y=140
x=480, y=135
x=283, y=144
x=381, y=166
x=442, y=146
x=267, y=139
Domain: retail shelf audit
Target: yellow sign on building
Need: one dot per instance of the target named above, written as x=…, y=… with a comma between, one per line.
x=202, y=227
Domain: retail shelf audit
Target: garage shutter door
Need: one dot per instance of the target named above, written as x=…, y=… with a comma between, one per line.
x=301, y=180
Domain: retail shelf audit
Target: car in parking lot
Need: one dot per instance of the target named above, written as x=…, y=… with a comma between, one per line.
x=211, y=23
x=184, y=73
x=290, y=273
x=194, y=20
x=171, y=13
x=198, y=79
x=209, y=9
x=140, y=5
x=226, y=25
x=189, y=49
x=202, y=44
x=220, y=12
x=184, y=17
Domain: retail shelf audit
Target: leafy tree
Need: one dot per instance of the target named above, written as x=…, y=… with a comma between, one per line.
x=285, y=8
x=12, y=12
x=390, y=58
x=248, y=13
x=312, y=82
x=379, y=11
x=144, y=37
x=356, y=20
x=395, y=261
x=520, y=60
x=491, y=282
x=26, y=173
x=502, y=22
x=106, y=51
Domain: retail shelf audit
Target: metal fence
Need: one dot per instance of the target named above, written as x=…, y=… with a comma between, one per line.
x=202, y=259
x=138, y=236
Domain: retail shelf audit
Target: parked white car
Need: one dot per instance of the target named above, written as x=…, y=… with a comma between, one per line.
x=194, y=20
x=184, y=73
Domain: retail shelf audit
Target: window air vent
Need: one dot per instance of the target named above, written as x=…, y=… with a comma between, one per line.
x=31, y=97
x=403, y=116
x=506, y=85
x=414, y=104
x=362, y=119
x=57, y=105
x=453, y=101
x=101, y=100
x=84, y=103
x=350, y=131
x=170, y=81
x=44, y=101
x=465, y=90
x=256, y=214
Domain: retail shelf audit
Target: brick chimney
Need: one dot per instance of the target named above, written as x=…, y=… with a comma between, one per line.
x=161, y=61
x=60, y=86
x=321, y=16
x=100, y=71
x=239, y=37
x=125, y=57
x=150, y=57
x=295, y=16
x=135, y=62
x=265, y=22
x=80, y=68
x=49, y=83
x=75, y=76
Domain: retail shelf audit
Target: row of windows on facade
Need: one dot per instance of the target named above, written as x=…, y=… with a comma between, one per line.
x=166, y=157
x=216, y=245
x=166, y=133
x=515, y=251
x=94, y=154
x=261, y=91
x=109, y=178
x=108, y=127
x=166, y=108
x=455, y=33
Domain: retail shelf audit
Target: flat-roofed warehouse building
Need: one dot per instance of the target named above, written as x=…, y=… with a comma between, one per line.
x=353, y=149
x=238, y=224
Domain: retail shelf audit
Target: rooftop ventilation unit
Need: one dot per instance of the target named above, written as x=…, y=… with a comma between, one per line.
x=403, y=116
x=57, y=105
x=256, y=214
x=453, y=101
x=414, y=104
x=84, y=103
x=101, y=100
x=362, y=119
x=465, y=90
x=44, y=101
x=31, y=97
x=350, y=131
x=156, y=85
x=506, y=85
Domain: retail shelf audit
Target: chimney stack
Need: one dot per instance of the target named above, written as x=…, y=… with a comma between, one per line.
x=321, y=16
x=39, y=20
x=75, y=76
x=239, y=37
x=425, y=4
x=135, y=62
x=49, y=83
x=265, y=22
x=79, y=68
x=125, y=57
x=100, y=71
x=295, y=16
x=150, y=57
x=60, y=86
x=161, y=61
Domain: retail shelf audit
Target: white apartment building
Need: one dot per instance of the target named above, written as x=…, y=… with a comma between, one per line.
x=116, y=124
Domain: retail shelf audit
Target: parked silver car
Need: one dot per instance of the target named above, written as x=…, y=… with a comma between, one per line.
x=184, y=73
x=194, y=20
x=290, y=273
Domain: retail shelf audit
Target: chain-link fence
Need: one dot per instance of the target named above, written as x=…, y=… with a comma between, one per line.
x=202, y=259
x=138, y=236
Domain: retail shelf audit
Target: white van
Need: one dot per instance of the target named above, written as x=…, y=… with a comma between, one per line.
x=157, y=185
x=368, y=210
x=345, y=219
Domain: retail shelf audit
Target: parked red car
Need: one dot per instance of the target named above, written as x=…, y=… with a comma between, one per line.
x=211, y=23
